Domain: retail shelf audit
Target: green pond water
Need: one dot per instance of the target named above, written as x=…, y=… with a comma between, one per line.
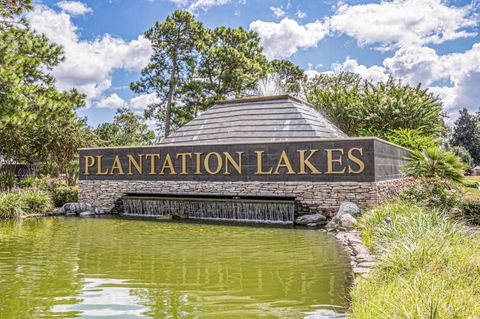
x=117, y=268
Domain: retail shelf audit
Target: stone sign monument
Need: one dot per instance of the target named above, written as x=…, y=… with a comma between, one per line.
x=255, y=147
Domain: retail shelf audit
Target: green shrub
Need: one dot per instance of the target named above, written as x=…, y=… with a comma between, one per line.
x=413, y=139
x=27, y=182
x=470, y=207
x=36, y=201
x=464, y=155
x=11, y=205
x=7, y=181
x=58, y=189
x=48, y=169
x=435, y=162
x=429, y=267
x=430, y=192
x=64, y=194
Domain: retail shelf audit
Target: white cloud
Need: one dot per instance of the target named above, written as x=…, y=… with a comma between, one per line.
x=301, y=14
x=283, y=39
x=88, y=65
x=414, y=64
x=404, y=22
x=278, y=12
x=459, y=72
x=195, y=5
x=74, y=8
x=112, y=101
x=141, y=102
x=374, y=73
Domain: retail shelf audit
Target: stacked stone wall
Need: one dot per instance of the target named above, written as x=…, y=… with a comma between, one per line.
x=310, y=197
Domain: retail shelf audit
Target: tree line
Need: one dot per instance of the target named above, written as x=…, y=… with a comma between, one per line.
x=190, y=68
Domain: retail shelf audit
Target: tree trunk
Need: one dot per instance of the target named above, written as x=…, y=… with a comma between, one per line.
x=171, y=90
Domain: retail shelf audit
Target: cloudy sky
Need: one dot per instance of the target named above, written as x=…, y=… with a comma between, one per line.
x=434, y=42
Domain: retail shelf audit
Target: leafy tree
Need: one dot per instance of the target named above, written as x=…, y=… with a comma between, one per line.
x=37, y=122
x=127, y=128
x=292, y=77
x=466, y=133
x=360, y=107
x=192, y=66
x=230, y=63
x=464, y=155
x=338, y=97
x=413, y=139
x=171, y=64
x=435, y=162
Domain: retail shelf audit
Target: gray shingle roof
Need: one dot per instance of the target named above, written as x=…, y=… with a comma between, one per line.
x=265, y=119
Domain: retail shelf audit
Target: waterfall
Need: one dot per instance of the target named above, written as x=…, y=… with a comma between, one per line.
x=251, y=210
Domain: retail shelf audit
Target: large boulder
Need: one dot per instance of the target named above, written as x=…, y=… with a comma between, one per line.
x=87, y=214
x=346, y=208
x=71, y=209
x=318, y=219
x=347, y=221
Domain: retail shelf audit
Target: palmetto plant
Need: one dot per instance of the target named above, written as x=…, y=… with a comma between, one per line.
x=435, y=162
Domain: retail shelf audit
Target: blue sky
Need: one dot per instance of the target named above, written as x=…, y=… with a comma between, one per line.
x=434, y=42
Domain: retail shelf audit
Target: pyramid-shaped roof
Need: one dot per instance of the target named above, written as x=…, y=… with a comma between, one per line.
x=259, y=119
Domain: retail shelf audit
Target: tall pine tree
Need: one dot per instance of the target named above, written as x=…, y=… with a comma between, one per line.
x=467, y=134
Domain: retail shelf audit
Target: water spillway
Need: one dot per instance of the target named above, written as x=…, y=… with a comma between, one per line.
x=232, y=208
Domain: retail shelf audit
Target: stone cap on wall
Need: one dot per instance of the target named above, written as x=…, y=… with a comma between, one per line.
x=261, y=119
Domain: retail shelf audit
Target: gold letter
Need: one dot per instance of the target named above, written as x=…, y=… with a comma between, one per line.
x=284, y=162
x=356, y=160
x=99, y=166
x=153, y=167
x=236, y=165
x=306, y=162
x=206, y=163
x=198, y=166
x=259, y=165
x=168, y=164
x=184, y=161
x=138, y=165
x=89, y=162
x=117, y=165
x=331, y=160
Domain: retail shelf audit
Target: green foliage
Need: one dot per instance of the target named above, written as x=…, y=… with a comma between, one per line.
x=25, y=202
x=72, y=170
x=430, y=192
x=27, y=182
x=470, y=207
x=339, y=97
x=64, y=194
x=362, y=108
x=435, y=162
x=11, y=205
x=7, y=180
x=413, y=139
x=58, y=189
x=466, y=133
x=171, y=64
x=35, y=201
x=48, y=169
x=127, y=128
x=464, y=155
x=192, y=66
x=37, y=122
x=428, y=266
x=291, y=76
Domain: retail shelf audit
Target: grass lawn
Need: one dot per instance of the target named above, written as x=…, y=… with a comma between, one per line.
x=470, y=187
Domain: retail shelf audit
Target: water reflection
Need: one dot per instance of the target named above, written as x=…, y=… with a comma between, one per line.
x=102, y=298
x=79, y=268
